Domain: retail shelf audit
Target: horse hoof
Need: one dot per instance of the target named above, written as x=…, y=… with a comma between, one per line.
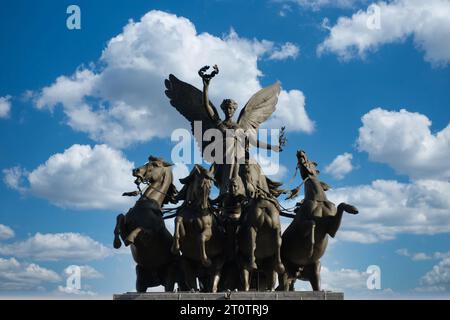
x=117, y=243
x=351, y=209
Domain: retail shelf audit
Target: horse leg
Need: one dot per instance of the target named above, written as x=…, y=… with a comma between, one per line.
x=170, y=278
x=141, y=285
x=190, y=278
x=204, y=236
x=246, y=278
x=334, y=222
x=177, y=235
x=252, y=246
x=291, y=286
x=314, y=275
x=133, y=236
x=287, y=279
x=271, y=279
x=117, y=230
x=283, y=282
x=218, y=265
x=279, y=267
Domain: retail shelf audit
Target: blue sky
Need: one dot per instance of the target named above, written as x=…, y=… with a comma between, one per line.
x=79, y=110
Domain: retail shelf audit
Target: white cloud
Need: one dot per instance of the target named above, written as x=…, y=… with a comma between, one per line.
x=284, y=10
x=419, y=256
x=14, y=178
x=427, y=22
x=87, y=272
x=81, y=177
x=340, y=166
x=404, y=141
x=291, y=113
x=124, y=103
x=388, y=208
x=287, y=50
x=57, y=246
x=17, y=276
x=319, y=4
x=6, y=232
x=352, y=282
x=343, y=279
x=75, y=291
x=437, y=279
x=422, y=256
x=5, y=106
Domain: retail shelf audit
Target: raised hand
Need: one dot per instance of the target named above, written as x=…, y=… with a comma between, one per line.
x=207, y=77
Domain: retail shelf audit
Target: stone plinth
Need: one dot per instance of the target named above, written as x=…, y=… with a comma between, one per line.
x=298, y=295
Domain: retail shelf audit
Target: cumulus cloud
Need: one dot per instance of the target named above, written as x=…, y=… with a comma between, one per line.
x=343, y=279
x=75, y=291
x=426, y=22
x=437, y=279
x=404, y=141
x=124, y=102
x=389, y=208
x=19, y=276
x=57, y=246
x=5, y=106
x=340, y=280
x=316, y=5
x=287, y=50
x=81, y=177
x=14, y=178
x=6, y=232
x=86, y=272
x=422, y=256
x=291, y=113
x=340, y=166
x=419, y=256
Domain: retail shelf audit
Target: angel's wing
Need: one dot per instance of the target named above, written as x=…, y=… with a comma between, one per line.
x=188, y=100
x=260, y=107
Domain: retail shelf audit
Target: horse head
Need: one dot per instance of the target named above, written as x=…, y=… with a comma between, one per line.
x=197, y=186
x=157, y=173
x=307, y=168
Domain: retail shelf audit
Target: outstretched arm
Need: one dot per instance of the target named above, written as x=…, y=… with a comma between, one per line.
x=206, y=79
x=268, y=146
x=261, y=144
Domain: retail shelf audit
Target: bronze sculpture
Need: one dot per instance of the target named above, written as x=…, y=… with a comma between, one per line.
x=143, y=228
x=305, y=240
x=236, y=175
x=228, y=242
x=198, y=233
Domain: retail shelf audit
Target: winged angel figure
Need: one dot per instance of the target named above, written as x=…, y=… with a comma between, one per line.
x=225, y=143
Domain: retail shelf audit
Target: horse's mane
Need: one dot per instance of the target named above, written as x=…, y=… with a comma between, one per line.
x=274, y=187
x=171, y=195
x=171, y=192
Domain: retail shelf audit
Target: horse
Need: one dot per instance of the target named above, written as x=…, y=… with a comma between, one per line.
x=259, y=239
x=197, y=232
x=305, y=240
x=143, y=228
